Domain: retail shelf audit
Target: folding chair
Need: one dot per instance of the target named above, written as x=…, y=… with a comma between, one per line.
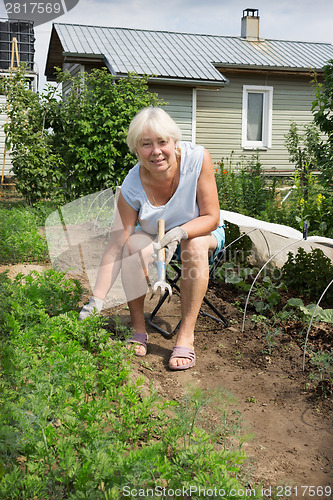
x=176, y=266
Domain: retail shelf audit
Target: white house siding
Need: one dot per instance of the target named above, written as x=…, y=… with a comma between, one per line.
x=3, y=119
x=74, y=70
x=179, y=106
x=219, y=117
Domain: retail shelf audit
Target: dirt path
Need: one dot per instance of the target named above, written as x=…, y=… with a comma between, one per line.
x=292, y=433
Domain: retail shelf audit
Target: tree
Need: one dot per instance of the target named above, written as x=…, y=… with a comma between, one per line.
x=302, y=147
x=322, y=109
x=302, y=150
x=64, y=148
x=36, y=166
x=90, y=127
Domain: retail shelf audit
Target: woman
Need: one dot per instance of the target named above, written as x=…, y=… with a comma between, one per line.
x=174, y=181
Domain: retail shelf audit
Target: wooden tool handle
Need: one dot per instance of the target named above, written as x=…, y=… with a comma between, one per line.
x=161, y=228
x=161, y=233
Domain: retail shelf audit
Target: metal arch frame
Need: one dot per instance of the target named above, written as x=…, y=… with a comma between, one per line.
x=310, y=324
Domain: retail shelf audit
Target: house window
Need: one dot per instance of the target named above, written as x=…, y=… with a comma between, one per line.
x=257, y=117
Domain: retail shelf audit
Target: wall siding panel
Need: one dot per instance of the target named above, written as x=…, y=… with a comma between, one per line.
x=219, y=117
x=74, y=70
x=179, y=106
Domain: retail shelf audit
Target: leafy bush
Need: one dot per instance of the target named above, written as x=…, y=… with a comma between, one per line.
x=240, y=249
x=35, y=164
x=309, y=273
x=66, y=148
x=90, y=128
x=243, y=188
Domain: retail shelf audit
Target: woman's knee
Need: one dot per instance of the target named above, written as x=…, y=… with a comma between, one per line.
x=138, y=243
x=195, y=248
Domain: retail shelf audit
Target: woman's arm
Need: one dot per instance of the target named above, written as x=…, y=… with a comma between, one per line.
x=124, y=225
x=208, y=201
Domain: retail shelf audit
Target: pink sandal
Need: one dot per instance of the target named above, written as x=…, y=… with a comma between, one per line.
x=182, y=352
x=139, y=339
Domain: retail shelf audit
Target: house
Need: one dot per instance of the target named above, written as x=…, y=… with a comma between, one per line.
x=16, y=46
x=227, y=93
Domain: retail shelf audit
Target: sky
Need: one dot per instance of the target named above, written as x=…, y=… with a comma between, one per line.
x=296, y=20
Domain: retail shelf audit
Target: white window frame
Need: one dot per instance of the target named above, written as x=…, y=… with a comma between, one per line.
x=266, y=141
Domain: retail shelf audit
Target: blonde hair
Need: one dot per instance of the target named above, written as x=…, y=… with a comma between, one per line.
x=155, y=119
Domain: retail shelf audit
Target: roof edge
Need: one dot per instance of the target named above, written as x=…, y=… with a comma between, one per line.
x=254, y=67
x=183, y=81
x=193, y=34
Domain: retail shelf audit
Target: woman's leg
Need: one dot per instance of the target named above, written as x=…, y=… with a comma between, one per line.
x=137, y=255
x=193, y=285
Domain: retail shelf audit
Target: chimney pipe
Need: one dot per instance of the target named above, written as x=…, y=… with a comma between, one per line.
x=250, y=24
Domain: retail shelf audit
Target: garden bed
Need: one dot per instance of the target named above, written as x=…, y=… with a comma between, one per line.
x=289, y=426
x=270, y=409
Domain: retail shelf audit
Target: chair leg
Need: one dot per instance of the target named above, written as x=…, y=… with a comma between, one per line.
x=219, y=316
x=165, y=333
x=173, y=282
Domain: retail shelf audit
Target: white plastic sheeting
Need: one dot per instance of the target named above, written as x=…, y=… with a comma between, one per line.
x=78, y=234
x=270, y=239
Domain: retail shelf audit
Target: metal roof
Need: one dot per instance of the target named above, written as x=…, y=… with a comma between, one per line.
x=181, y=56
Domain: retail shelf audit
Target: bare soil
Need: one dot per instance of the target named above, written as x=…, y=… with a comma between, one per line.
x=291, y=427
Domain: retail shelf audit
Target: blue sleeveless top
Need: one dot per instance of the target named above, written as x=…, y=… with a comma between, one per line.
x=182, y=207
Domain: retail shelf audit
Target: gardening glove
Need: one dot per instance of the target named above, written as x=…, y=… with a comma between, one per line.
x=94, y=306
x=170, y=242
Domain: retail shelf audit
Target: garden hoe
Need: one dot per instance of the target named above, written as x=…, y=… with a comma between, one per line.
x=161, y=265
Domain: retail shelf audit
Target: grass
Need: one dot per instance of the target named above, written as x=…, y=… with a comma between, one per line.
x=21, y=236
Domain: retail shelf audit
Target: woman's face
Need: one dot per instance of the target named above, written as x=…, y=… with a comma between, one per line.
x=156, y=154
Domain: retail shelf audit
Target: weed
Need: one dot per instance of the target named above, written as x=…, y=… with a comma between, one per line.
x=270, y=335
x=251, y=399
x=321, y=375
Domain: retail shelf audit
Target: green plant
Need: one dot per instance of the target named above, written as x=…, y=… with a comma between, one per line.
x=35, y=164
x=302, y=147
x=234, y=274
x=321, y=375
x=21, y=239
x=270, y=334
x=322, y=111
x=309, y=272
x=270, y=331
x=239, y=245
x=310, y=204
x=244, y=187
x=74, y=423
x=90, y=127
x=321, y=314
x=266, y=295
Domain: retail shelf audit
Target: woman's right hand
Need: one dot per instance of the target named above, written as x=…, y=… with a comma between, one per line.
x=170, y=242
